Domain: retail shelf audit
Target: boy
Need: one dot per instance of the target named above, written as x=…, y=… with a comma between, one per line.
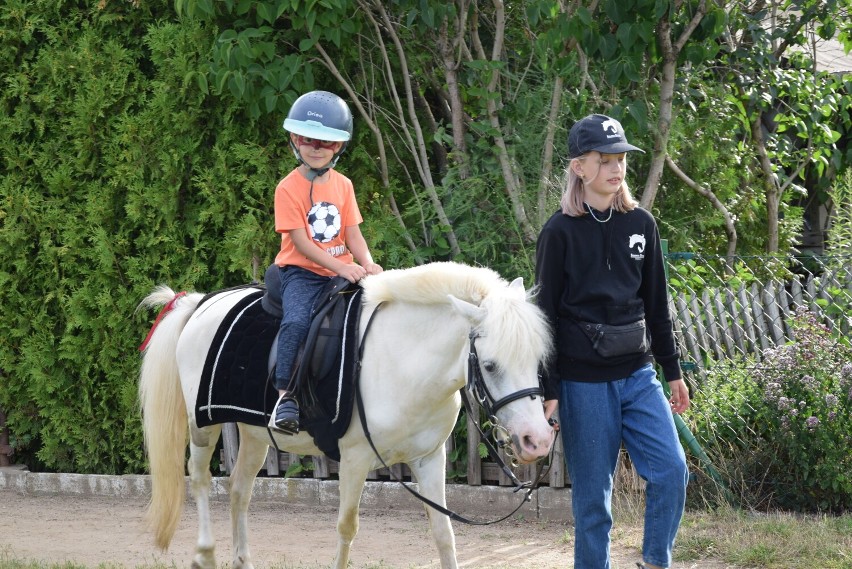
x=317, y=217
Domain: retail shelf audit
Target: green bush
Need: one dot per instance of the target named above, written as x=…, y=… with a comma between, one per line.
x=120, y=170
x=117, y=174
x=779, y=428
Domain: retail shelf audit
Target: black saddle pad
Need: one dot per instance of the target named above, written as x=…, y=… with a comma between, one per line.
x=235, y=385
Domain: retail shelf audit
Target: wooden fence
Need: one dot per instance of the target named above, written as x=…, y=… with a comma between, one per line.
x=479, y=472
x=711, y=323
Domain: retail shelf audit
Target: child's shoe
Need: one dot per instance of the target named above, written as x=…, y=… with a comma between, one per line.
x=285, y=417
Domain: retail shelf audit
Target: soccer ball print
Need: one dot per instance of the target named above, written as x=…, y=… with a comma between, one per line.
x=324, y=221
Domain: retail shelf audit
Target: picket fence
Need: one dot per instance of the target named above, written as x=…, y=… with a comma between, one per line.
x=718, y=323
x=712, y=322
x=478, y=472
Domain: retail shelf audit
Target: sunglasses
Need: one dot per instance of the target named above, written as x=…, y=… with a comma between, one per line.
x=315, y=142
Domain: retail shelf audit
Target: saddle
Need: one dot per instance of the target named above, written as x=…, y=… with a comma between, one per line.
x=236, y=385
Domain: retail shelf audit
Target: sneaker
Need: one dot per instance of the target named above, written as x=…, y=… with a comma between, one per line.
x=285, y=417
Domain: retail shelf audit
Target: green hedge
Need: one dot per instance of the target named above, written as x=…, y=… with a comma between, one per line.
x=118, y=174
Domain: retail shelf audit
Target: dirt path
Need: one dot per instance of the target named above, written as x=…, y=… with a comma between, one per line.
x=96, y=530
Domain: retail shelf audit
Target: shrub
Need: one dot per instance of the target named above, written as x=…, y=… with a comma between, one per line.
x=780, y=426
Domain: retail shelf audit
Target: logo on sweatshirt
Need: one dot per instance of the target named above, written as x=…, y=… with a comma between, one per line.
x=637, y=246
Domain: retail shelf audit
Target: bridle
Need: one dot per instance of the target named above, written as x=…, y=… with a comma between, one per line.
x=476, y=385
x=479, y=389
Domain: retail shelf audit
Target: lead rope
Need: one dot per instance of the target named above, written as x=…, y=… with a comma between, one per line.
x=452, y=515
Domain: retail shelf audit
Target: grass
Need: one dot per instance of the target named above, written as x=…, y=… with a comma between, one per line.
x=740, y=539
x=777, y=540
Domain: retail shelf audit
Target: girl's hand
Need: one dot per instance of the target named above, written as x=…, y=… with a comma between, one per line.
x=680, y=396
x=551, y=407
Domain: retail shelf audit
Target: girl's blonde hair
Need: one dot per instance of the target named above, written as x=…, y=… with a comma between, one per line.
x=574, y=194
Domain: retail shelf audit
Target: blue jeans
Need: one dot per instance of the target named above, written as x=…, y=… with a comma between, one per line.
x=595, y=419
x=299, y=291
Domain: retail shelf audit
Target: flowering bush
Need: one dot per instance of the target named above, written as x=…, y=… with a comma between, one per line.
x=783, y=422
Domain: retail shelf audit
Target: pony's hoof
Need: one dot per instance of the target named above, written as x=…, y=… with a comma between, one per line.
x=204, y=559
x=240, y=563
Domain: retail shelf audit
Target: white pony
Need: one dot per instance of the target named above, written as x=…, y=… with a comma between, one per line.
x=414, y=365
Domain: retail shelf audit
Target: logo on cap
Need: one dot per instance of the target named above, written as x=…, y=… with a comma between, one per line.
x=611, y=126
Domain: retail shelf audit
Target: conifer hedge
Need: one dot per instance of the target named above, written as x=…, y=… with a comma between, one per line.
x=118, y=173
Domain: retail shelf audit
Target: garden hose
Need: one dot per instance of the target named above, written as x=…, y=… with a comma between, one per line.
x=695, y=447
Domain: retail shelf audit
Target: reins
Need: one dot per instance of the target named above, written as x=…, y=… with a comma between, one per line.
x=485, y=398
x=476, y=384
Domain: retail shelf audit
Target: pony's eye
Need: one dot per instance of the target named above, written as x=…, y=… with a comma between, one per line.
x=489, y=366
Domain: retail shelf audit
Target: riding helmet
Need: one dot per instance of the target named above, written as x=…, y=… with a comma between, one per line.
x=322, y=115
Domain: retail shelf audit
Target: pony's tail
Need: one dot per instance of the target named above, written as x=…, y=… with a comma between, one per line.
x=164, y=415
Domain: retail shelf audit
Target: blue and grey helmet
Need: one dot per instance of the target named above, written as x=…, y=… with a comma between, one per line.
x=321, y=115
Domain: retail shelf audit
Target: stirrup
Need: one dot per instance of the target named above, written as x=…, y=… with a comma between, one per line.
x=285, y=415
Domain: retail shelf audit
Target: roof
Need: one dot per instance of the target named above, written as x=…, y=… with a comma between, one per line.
x=830, y=56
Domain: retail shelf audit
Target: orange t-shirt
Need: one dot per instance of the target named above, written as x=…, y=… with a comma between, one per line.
x=325, y=218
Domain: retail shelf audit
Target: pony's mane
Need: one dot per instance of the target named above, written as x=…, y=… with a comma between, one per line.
x=524, y=331
x=431, y=283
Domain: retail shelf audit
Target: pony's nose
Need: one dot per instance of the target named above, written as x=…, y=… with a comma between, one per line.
x=534, y=445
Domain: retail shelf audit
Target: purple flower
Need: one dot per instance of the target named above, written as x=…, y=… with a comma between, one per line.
x=809, y=382
x=772, y=391
x=783, y=403
x=831, y=400
x=812, y=423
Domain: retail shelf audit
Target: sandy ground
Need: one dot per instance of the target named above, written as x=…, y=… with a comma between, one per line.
x=102, y=530
x=107, y=531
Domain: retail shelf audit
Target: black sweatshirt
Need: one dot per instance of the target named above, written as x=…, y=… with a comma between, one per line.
x=609, y=273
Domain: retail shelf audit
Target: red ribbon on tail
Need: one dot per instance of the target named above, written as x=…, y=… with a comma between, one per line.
x=166, y=309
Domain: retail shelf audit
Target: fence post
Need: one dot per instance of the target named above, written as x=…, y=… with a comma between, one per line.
x=474, y=463
x=683, y=430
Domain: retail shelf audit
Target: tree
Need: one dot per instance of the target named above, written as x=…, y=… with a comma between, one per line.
x=142, y=146
x=785, y=104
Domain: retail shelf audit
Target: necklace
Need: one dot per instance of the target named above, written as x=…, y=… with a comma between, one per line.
x=592, y=213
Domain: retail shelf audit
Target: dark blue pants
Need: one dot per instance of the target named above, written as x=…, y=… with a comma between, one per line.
x=299, y=291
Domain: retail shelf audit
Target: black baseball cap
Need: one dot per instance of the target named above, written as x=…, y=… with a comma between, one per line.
x=598, y=132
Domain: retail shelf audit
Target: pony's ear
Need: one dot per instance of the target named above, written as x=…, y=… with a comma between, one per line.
x=516, y=287
x=470, y=311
